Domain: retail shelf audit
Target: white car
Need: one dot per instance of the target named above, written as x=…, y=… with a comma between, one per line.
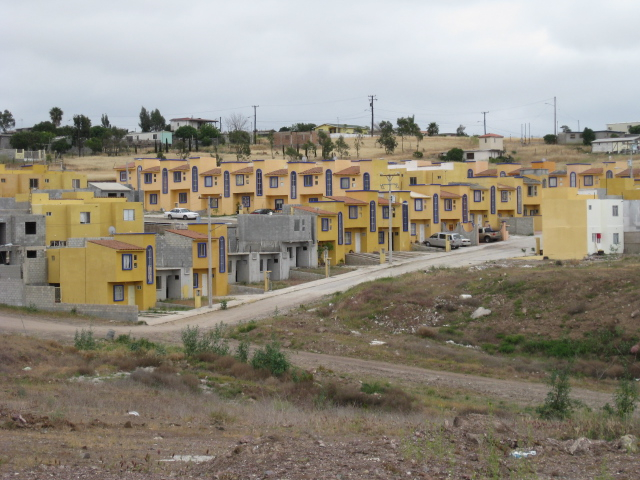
x=464, y=242
x=183, y=213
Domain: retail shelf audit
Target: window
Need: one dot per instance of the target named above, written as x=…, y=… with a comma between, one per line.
x=58, y=243
x=553, y=182
x=239, y=180
x=344, y=183
x=347, y=238
x=129, y=214
x=148, y=178
x=208, y=181
x=158, y=282
x=614, y=210
x=503, y=173
x=259, y=182
x=588, y=180
x=596, y=237
x=118, y=293
x=616, y=238
x=413, y=229
x=153, y=198
x=504, y=196
x=127, y=261
x=182, y=197
x=30, y=228
x=123, y=176
x=385, y=212
x=470, y=155
x=413, y=180
x=32, y=254
x=177, y=177
x=273, y=182
x=48, y=214
x=470, y=173
x=313, y=199
x=326, y=224
x=246, y=201
x=85, y=217
x=213, y=202
x=448, y=204
x=279, y=203
x=418, y=204
x=477, y=195
x=381, y=237
x=308, y=180
x=75, y=183
x=202, y=250
x=532, y=190
x=196, y=280
x=353, y=211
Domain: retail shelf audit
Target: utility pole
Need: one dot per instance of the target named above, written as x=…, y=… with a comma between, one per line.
x=255, y=125
x=372, y=98
x=484, y=114
x=389, y=177
x=210, y=256
x=555, y=122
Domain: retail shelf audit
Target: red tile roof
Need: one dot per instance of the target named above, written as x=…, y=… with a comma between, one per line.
x=190, y=234
x=385, y=201
x=348, y=200
x=245, y=170
x=625, y=173
x=515, y=173
x=312, y=171
x=558, y=173
x=592, y=171
x=213, y=171
x=487, y=173
x=444, y=194
x=505, y=187
x=317, y=211
x=493, y=135
x=349, y=171
x=125, y=167
x=151, y=170
x=283, y=172
x=180, y=168
x=116, y=245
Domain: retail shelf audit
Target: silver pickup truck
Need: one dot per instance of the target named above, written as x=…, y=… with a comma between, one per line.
x=487, y=234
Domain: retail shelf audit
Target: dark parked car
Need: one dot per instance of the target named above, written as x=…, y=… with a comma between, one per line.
x=263, y=211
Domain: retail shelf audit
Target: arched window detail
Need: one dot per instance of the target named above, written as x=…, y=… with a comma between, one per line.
x=367, y=181
x=226, y=187
x=150, y=273
x=470, y=173
x=328, y=176
x=194, y=179
x=465, y=208
x=222, y=256
x=340, y=229
x=138, y=171
x=165, y=181
x=372, y=216
x=503, y=173
x=436, y=209
x=294, y=186
x=259, y=182
x=405, y=217
x=609, y=174
x=519, y=200
x=572, y=179
x=493, y=200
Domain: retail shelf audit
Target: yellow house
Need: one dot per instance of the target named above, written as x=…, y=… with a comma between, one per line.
x=22, y=181
x=341, y=128
x=106, y=272
x=81, y=215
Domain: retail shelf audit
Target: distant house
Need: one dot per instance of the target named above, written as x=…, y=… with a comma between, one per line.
x=340, y=128
x=196, y=123
x=150, y=137
x=491, y=141
x=622, y=127
x=615, y=145
x=575, y=138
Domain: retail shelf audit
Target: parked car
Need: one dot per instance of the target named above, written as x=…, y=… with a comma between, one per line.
x=487, y=234
x=262, y=211
x=464, y=242
x=183, y=213
x=440, y=239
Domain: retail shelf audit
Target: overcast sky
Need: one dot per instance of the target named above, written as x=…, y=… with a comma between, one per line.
x=301, y=61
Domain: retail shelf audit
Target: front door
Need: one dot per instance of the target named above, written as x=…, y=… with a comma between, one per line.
x=421, y=233
x=358, y=237
x=132, y=295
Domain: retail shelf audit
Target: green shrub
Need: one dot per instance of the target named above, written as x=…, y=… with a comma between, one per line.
x=625, y=398
x=557, y=404
x=375, y=387
x=271, y=358
x=212, y=341
x=84, y=340
x=247, y=327
x=242, y=352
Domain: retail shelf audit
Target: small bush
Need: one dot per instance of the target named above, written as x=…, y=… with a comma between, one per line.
x=375, y=387
x=557, y=404
x=426, y=332
x=242, y=352
x=247, y=327
x=271, y=358
x=213, y=341
x=84, y=340
x=625, y=398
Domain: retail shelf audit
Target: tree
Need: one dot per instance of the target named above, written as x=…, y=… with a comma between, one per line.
x=285, y=129
x=95, y=144
x=309, y=146
x=24, y=140
x=6, y=121
x=113, y=141
x=208, y=133
x=433, y=129
x=358, y=141
x=157, y=121
x=271, y=138
x=60, y=147
x=81, y=130
x=326, y=145
x=407, y=127
x=634, y=129
x=104, y=119
x=236, y=122
x=454, y=155
x=550, y=139
x=44, y=127
x=387, y=139
x=460, y=131
x=588, y=136
x=565, y=129
x=302, y=127
x=185, y=132
x=145, y=120
x=341, y=147
x=56, y=116
x=292, y=153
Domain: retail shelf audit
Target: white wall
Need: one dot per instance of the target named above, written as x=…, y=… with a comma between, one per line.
x=600, y=220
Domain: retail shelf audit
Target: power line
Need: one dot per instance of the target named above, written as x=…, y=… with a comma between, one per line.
x=372, y=98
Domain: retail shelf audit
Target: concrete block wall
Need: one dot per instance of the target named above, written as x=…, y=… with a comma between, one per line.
x=12, y=292
x=16, y=230
x=173, y=250
x=39, y=296
x=632, y=242
x=11, y=272
x=519, y=225
x=35, y=269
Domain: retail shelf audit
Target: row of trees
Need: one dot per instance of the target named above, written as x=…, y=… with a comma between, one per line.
x=405, y=127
